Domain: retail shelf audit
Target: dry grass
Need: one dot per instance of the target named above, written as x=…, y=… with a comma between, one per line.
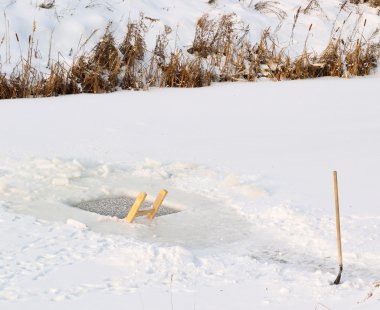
x=182, y=72
x=99, y=71
x=270, y=7
x=220, y=51
x=132, y=50
x=214, y=36
x=174, y=69
x=373, y=3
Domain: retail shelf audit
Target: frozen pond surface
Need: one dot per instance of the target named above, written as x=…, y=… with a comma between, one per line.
x=119, y=206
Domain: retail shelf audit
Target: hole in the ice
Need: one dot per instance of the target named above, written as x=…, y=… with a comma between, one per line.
x=119, y=206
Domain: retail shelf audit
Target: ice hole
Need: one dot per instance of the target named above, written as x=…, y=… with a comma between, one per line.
x=120, y=206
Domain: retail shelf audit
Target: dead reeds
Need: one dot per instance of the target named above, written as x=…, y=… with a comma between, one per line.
x=373, y=3
x=221, y=51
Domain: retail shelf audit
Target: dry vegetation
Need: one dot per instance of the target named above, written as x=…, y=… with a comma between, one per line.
x=373, y=3
x=220, y=51
x=270, y=7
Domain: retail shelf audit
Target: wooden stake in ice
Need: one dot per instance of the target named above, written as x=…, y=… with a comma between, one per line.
x=135, y=208
x=157, y=203
x=338, y=235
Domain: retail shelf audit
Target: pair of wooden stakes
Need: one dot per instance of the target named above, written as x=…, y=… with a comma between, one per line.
x=150, y=213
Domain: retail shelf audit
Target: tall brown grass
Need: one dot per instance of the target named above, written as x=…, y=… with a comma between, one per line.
x=221, y=51
x=373, y=3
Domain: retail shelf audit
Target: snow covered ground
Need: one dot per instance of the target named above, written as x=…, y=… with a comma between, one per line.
x=250, y=166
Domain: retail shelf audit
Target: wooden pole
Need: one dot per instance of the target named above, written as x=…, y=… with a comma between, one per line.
x=338, y=234
x=157, y=203
x=135, y=208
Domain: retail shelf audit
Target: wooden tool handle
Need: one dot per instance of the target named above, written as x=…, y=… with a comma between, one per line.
x=337, y=217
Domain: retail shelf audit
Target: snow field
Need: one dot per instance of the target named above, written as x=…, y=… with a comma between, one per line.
x=250, y=172
x=208, y=244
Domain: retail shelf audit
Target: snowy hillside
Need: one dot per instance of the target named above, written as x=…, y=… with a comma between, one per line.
x=67, y=28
